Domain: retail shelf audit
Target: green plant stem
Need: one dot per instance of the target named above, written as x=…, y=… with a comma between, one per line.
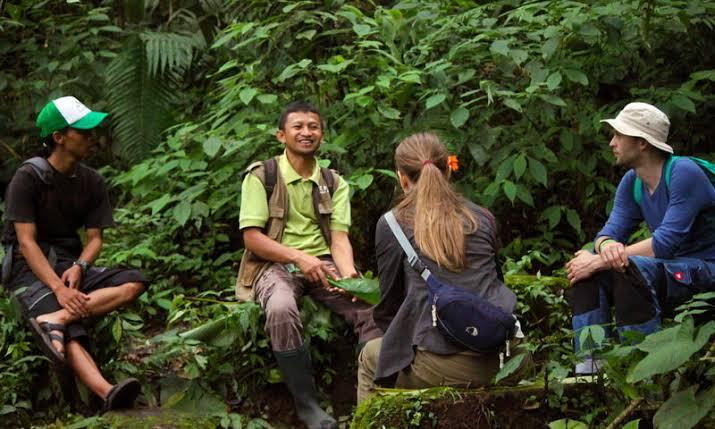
x=625, y=413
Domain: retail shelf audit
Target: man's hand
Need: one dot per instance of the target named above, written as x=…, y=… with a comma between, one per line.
x=73, y=301
x=315, y=270
x=72, y=277
x=352, y=275
x=582, y=266
x=613, y=254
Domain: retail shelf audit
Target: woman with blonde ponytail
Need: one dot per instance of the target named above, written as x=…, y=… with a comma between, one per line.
x=456, y=239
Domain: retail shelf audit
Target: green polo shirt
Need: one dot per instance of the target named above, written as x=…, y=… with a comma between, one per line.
x=302, y=230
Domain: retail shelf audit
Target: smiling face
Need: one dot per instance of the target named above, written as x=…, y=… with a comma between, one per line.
x=626, y=149
x=302, y=133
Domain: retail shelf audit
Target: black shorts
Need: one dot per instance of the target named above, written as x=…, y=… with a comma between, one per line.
x=36, y=299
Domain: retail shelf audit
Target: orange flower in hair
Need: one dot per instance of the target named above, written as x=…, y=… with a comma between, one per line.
x=453, y=162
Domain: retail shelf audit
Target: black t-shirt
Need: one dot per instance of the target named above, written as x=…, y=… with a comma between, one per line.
x=57, y=209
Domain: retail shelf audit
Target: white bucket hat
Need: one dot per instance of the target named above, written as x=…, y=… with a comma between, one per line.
x=643, y=120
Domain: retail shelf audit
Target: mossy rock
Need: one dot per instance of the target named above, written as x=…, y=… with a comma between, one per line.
x=447, y=407
x=520, y=280
x=147, y=418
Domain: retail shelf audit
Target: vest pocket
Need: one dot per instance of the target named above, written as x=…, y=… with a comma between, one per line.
x=325, y=202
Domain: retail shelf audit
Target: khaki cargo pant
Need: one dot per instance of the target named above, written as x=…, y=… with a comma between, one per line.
x=466, y=369
x=278, y=291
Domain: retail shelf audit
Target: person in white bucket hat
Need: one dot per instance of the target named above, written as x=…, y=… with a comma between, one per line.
x=649, y=278
x=46, y=266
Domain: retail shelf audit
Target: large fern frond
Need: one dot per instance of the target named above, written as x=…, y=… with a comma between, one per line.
x=139, y=103
x=171, y=51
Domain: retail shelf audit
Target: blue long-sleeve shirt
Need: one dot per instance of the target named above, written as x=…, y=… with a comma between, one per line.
x=680, y=216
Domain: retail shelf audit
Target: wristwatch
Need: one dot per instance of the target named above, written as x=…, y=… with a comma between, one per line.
x=83, y=265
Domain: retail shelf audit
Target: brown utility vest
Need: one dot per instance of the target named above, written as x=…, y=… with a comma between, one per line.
x=268, y=173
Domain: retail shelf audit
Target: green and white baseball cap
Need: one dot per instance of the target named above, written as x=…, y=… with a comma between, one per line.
x=67, y=112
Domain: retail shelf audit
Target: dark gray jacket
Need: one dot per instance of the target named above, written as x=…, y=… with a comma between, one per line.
x=404, y=313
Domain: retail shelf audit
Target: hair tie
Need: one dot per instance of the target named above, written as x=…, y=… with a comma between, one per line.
x=427, y=161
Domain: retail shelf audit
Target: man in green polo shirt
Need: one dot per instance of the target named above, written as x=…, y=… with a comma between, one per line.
x=303, y=224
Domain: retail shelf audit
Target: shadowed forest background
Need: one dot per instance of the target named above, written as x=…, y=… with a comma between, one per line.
x=194, y=90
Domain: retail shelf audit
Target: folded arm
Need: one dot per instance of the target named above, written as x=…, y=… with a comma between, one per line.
x=69, y=298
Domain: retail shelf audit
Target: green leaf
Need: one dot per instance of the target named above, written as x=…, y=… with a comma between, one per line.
x=512, y=365
x=523, y=193
x=500, y=47
x=548, y=49
x=362, y=29
x=573, y=219
x=553, y=81
x=459, y=116
x=505, y=169
x=553, y=99
x=553, y=215
x=567, y=140
x=88, y=422
x=670, y=348
x=434, y=100
x=519, y=166
x=159, y=203
x=247, y=95
x=388, y=111
x=512, y=104
x=364, y=288
x=683, y=103
x=412, y=76
x=519, y=55
x=364, y=181
x=538, y=171
x=182, y=211
x=338, y=65
x=509, y=190
x=684, y=410
x=633, y=424
x=212, y=146
x=576, y=76
x=117, y=330
x=703, y=75
x=591, y=338
x=307, y=35
x=567, y=424
x=267, y=98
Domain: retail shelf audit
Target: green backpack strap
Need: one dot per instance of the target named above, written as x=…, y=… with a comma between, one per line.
x=638, y=184
x=707, y=166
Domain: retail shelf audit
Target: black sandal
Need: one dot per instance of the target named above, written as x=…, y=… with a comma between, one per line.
x=122, y=395
x=44, y=334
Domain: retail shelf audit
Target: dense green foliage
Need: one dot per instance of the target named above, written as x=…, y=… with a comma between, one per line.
x=515, y=89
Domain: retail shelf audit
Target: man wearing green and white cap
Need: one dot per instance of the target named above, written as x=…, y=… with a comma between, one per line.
x=676, y=199
x=47, y=267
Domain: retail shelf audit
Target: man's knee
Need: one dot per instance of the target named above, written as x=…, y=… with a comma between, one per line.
x=281, y=310
x=584, y=296
x=635, y=302
x=369, y=355
x=132, y=290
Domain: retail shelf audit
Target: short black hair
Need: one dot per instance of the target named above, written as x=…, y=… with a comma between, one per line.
x=299, y=106
x=48, y=143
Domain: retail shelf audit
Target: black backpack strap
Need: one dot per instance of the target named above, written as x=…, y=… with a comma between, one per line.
x=42, y=168
x=270, y=168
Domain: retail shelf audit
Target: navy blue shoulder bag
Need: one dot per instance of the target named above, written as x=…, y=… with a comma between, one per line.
x=462, y=316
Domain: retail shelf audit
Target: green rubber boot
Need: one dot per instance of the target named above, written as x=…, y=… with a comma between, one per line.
x=298, y=376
